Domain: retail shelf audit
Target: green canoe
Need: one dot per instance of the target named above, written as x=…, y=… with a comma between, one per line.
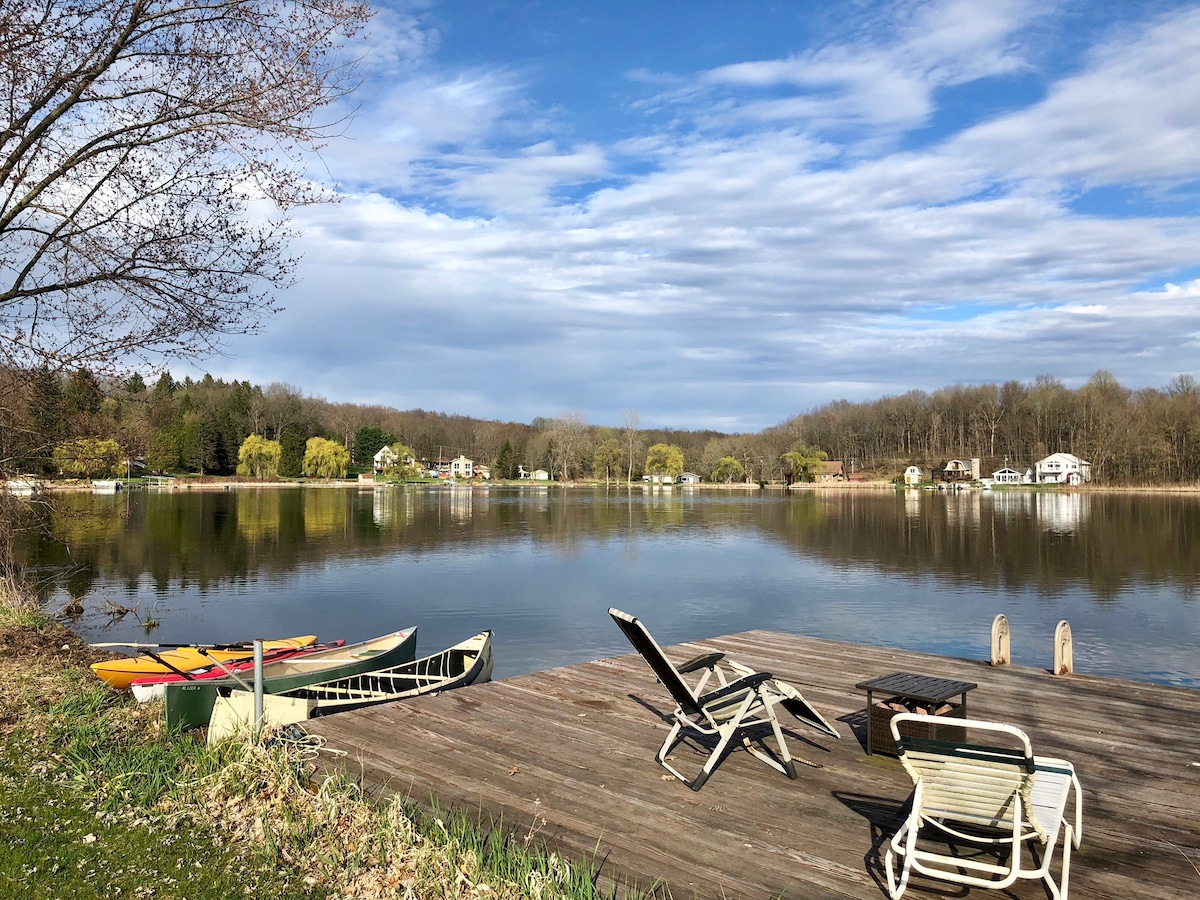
x=190, y=703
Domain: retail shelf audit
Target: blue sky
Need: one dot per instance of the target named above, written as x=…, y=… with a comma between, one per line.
x=720, y=215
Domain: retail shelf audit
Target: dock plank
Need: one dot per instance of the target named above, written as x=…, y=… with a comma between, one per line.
x=567, y=756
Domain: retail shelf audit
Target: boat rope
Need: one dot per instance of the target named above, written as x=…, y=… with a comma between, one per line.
x=294, y=738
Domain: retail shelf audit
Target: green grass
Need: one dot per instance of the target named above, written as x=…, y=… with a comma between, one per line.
x=60, y=837
x=99, y=800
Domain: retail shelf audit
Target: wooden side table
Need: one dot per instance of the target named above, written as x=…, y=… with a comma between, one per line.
x=907, y=686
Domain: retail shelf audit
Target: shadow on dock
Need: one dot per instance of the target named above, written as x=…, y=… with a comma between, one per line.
x=569, y=753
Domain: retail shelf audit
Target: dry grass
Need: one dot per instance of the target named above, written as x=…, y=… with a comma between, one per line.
x=258, y=796
x=334, y=836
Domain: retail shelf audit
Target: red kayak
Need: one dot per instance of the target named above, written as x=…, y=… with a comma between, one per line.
x=152, y=686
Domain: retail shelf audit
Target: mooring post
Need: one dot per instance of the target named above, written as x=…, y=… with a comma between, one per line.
x=258, y=685
x=1001, y=644
x=1064, y=654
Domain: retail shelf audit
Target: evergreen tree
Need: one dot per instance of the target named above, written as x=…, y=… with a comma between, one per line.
x=368, y=441
x=162, y=402
x=197, y=444
x=291, y=461
x=82, y=399
x=506, y=462
x=45, y=419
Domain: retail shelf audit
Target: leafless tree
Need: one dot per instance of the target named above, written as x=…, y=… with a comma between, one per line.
x=569, y=433
x=150, y=151
x=631, y=423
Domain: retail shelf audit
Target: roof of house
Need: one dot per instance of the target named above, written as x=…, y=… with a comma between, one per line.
x=1063, y=457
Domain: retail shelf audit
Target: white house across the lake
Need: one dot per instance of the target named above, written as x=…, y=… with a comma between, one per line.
x=1062, y=468
x=1007, y=476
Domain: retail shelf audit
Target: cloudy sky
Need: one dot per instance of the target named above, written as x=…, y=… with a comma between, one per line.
x=721, y=215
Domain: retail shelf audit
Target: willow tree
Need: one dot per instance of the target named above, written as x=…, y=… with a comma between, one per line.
x=259, y=458
x=664, y=460
x=804, y=462
x=727, y=469
x=324, y=458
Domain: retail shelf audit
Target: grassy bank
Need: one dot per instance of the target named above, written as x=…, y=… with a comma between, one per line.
x=97, y=800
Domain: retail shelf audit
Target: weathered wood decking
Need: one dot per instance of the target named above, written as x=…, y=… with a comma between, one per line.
x=568, y=753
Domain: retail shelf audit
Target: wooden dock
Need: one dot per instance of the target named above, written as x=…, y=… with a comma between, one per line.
x=569, y=754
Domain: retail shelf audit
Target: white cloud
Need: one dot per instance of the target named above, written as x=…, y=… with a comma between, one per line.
x=1131, y=116
x=882, y=82
x=734, y=268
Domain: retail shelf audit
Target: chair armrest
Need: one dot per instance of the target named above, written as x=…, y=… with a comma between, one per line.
x=1062, y=767
x=750, y=682
x=703, y=661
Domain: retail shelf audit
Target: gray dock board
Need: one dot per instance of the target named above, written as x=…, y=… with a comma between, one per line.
x=566, y=755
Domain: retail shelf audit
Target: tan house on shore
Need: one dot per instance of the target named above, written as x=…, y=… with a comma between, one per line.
x=961, y=470
x=832, y=470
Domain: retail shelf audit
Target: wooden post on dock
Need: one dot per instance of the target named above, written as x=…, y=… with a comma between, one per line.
x=1064, y=655
x=1001, y=643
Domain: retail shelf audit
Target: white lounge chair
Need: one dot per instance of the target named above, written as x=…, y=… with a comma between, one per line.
x=990, y=804
x=726, y=708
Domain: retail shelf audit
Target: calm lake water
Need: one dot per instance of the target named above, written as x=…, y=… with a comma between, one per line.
x=540, y=566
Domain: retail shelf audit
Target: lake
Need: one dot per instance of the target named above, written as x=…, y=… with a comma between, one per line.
x=920, y=570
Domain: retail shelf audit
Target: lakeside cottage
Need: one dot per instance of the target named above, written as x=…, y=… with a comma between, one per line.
x=833, y=470
x=385, y=458
x=1006, y=476
x=1062, y=468
x=961, y=470
x=913, y=476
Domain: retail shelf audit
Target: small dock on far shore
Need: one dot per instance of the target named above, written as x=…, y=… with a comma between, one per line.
x=568, y=756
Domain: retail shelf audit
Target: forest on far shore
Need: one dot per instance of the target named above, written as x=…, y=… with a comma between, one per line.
x=1146, y=436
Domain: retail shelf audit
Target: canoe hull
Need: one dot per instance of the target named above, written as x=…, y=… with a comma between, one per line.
x=466, y=663
x=189, y=704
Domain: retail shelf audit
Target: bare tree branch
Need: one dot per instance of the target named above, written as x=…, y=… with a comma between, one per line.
x=135, y=138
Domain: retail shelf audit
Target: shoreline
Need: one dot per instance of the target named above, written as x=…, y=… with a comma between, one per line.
x=230, y=483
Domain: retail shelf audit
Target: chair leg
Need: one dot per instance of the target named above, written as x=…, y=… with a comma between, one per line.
x=784, y=763
x=908, y=836
x=1066, y=861
x=726, y=731
x=710, y=764
x=1060, y=892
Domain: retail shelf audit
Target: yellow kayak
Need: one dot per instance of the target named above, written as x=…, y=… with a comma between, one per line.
x=120, y=672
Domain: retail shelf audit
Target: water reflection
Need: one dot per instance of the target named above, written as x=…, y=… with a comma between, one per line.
x=920, y=569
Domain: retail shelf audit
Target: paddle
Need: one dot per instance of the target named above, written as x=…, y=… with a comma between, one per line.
x=162, y=662
x=226, y=670
x=237, y=645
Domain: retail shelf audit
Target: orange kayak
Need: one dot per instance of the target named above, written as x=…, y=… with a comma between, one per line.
x=120, y=672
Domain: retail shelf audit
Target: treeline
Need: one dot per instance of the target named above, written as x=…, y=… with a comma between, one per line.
x=1131, y=437
x=199, y=426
